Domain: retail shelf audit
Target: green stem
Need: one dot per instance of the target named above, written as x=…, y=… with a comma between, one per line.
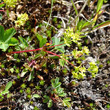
x=74, y=7
x=77, y=17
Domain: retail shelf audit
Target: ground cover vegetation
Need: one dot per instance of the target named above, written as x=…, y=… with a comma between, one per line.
x=54, y=54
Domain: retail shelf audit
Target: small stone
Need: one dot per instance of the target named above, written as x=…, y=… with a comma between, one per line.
x=19, y=7
x=98, y=45
x=108, y=69
x=12, y=16
x=105, y=71
x=85, y=84
x=31, y=107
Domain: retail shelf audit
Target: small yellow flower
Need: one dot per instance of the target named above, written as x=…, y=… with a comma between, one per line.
x=82, y=69
x=21, y=20
x=86, y=50
x=10, y=3
x=75, y=75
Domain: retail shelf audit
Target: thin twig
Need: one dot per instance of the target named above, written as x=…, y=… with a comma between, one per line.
x=81, y=9
x=50, y=13
x=2, y=10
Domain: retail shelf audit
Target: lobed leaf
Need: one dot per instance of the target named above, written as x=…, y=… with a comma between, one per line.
x=8, y=34
x=3, y=46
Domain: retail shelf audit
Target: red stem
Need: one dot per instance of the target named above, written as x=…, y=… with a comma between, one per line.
x=26, y=51
x=33, y=49
x=2, y=10
x=59, y=57
x=55, y=45
x=45, y=51
x=35, y=21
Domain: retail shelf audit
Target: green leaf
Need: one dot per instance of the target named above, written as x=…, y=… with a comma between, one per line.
x=62, y=94
x=23, y=73
x=99, y=5
x=66, y=102
x=5, y=92
x=23, y=41
x=9, y=84
x=50, y=103
x=35, y=108
x=59, y=89
x=47, y=98
x=62, y=50
x=1, y=16
x=57, y=80
x=1, y=33
x=57, y=41
x=83, y=24
x=105, y=1
x=39, y=37
x=102, y=25
x=31, y=76
x=62, y=62
x=5, y=38
x=54, y=57
x=67, y=99
x=3, y=46
x=13, y=41
x=36, y=96
x=8, y=34
x=42, y=40
x=1, y=5
x=108, y=106
x=80, y=25
x=55, y=83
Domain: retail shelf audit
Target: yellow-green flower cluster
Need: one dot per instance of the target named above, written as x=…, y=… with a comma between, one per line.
x=79, y=72
x=70, y=36
x=77, y=53
x=10, y=3
x=93, y=68
x=21, y=20
x=85, y=50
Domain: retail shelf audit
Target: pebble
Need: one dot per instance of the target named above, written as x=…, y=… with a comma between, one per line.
x=105, y=71
x=98, y=45
x=85, y=84
x=31, y=107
